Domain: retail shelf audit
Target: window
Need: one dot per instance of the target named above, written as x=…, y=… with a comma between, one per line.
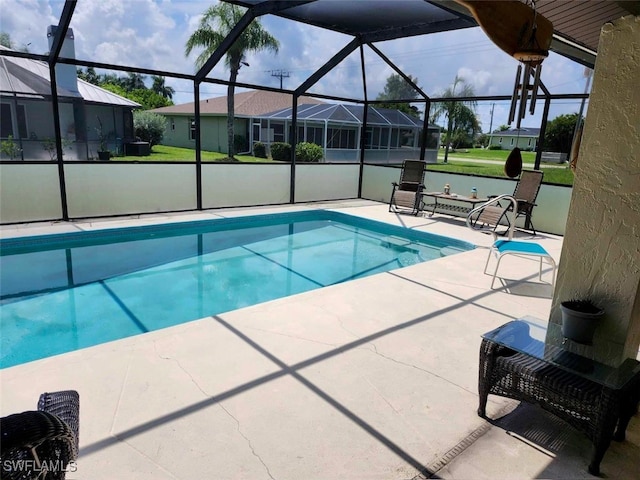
x=341, y=138
x=192, y=129
x=173, y=124
x=500, y=140
x=6, y=121
x=278, y=132
x=6, y=125
x=512, y=142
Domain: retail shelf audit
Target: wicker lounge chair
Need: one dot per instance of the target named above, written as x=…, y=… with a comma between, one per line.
x=42, y=443
x=406, y=195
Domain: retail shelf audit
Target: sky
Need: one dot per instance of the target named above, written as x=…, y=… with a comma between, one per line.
x=152, y=34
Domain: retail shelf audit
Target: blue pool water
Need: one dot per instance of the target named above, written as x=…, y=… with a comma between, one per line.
x=59, y=293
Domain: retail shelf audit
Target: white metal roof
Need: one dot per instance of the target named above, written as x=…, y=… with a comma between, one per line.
x=23, y=76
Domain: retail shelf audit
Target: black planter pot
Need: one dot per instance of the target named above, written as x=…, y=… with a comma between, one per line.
x=105, y=155
x=580, y=320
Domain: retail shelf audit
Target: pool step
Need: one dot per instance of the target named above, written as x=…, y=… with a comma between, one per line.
x=446, y=251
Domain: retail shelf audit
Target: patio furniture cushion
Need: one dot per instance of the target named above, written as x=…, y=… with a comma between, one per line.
x=502, y=248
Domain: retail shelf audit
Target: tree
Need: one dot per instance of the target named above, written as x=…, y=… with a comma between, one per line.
x=216, y=23
x=161, y=89
x=397, y=88
x=5, y=40
x=148, y=99
x=451, y=110
x=149, y=126
x=559, y=133
x=133, y=81
x=465, y=127
x=89, y=76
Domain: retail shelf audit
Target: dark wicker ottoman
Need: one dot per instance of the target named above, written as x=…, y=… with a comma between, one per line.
x=590, y=406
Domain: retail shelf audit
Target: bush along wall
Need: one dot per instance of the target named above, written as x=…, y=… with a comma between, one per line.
x=281, y=151
x=259, y=150
x=308, y=152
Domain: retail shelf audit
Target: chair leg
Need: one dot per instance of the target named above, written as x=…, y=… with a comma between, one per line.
x=495, y=273
x=540, y=272
x=393, y=194
x=486, y=265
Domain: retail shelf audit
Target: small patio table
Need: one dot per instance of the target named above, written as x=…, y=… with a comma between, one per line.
x=450, y=203
x=515, y=362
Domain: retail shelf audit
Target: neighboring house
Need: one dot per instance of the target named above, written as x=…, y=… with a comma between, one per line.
x=27, y=111
x=213, y=117
x=392, y=136
x=264, y=116
x=524, y=138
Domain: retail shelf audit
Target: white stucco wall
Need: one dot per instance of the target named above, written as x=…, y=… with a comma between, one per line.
x=243, y=184
x=326, y=182
x=29, y=193
x=100, y=189
x=601, y=252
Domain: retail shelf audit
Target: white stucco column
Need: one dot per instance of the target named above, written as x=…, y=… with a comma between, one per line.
x=601, y=251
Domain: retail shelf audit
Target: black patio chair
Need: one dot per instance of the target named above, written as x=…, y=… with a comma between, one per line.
x=406, y=194
x=525, y=193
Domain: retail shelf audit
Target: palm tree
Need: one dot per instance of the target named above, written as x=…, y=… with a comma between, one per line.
x=161, y=89
x=215, y=25
x=452, y=110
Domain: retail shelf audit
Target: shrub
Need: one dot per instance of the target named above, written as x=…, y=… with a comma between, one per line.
x=10, y=148
x=281, y=151
x=259, y=150
x=308, y=152
x=495, y=147
x=240, y=144
x=149, y=126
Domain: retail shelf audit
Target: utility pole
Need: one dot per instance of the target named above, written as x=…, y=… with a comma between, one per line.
x=491, y=124
x=280, y=73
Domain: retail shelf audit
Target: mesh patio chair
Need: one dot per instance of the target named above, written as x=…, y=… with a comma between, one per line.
x=406, y=194
x=41, y=444
x=488, y=216
x=525, y=193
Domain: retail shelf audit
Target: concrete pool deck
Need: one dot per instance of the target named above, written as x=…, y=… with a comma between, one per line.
x=371, y=379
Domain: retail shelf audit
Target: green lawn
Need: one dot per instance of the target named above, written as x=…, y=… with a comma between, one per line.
x=164, y=153
x=485, y=154
x=457, y=162
x=562, y=176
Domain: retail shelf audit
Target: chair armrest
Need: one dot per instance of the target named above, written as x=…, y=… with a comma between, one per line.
x=31, y=429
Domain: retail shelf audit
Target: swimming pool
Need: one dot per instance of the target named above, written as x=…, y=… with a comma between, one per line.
x=60, y=293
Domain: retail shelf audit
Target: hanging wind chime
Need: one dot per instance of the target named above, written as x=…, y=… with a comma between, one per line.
x=518, y=29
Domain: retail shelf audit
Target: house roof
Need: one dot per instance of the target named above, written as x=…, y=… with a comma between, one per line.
x=346, y=114
x=24, y=76
x=518, y=132
x=249, y=104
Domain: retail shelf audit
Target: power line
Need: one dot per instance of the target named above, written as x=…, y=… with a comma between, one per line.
x=280, y=73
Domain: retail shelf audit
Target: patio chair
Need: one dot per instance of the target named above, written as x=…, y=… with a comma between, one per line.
x=488, y=216
x=42, y=443
x=525, y=193
x=406, y=195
